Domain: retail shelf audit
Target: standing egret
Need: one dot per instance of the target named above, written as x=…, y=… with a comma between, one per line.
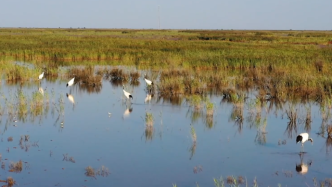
x=303, y=137
x=127, y=94
x=71, y=82
x=148, y=82
x=41, y=76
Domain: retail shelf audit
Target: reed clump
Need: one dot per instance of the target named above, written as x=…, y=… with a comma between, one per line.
x=209, y=107
x=149, y=129
x=16, y=166
x=90, y=172
x=118, y=74
x=10, y=181
x=103, y=171
x=86, y=76
x=134, y=78
x=329, y=130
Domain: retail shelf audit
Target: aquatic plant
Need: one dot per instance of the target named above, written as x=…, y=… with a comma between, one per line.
x=16, y=166
x=103, y=171
x=219, y=182
x=193, y=134
x=149, y=119
x=10, y=181
x=209, y=107
x=85, y=76
x=90, y=172
x=292, y=123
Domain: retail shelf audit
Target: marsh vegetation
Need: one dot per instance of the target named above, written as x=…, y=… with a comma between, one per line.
x=226, y=97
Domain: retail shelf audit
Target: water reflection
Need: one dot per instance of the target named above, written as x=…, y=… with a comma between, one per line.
x=149, y=131
x=292, y=123
x=127, y=112
x=70, y=98
x=328, y=144
x=302, y=168
x=208, y=121
x=41, y=91
x=90, y=88
x=192, y=150
x=237, y=116
x=148, y=98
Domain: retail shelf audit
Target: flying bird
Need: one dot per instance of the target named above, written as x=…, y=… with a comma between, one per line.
x=71, y=82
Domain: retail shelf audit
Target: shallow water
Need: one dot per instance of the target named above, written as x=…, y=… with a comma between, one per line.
x=136, y=158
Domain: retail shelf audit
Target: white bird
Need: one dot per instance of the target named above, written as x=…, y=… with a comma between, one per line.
x=109, y=114
x=148, y=82
x=41, y=76
x=303, y=137
x=71, y=82
x=70, y=98
x=127, y=94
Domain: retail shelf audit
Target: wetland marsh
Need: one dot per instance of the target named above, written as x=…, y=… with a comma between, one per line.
x=225, y=107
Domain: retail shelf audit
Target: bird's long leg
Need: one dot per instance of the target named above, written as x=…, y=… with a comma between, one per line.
x=302, y=149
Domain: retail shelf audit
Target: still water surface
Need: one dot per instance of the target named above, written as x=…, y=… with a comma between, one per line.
x=119, y=141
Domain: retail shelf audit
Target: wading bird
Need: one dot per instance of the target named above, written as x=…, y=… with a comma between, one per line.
x=303, y=137
x=127, y=94
x=148, y=82
x=71, y=82
x=41, y=76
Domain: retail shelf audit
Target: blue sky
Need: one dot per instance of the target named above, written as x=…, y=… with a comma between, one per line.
x=174, y=14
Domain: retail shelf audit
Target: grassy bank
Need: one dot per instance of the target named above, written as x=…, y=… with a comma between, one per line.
x=280, y=64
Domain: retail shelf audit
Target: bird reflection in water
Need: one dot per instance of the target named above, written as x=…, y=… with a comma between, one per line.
x=41, y=91
x=70, y=98
x=303, y=168
x=148, y=98
x=127, y=112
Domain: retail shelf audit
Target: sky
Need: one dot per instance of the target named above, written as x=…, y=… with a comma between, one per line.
x=170, y=14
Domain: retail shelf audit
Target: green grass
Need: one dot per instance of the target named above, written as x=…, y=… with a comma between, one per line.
x=283, y=64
